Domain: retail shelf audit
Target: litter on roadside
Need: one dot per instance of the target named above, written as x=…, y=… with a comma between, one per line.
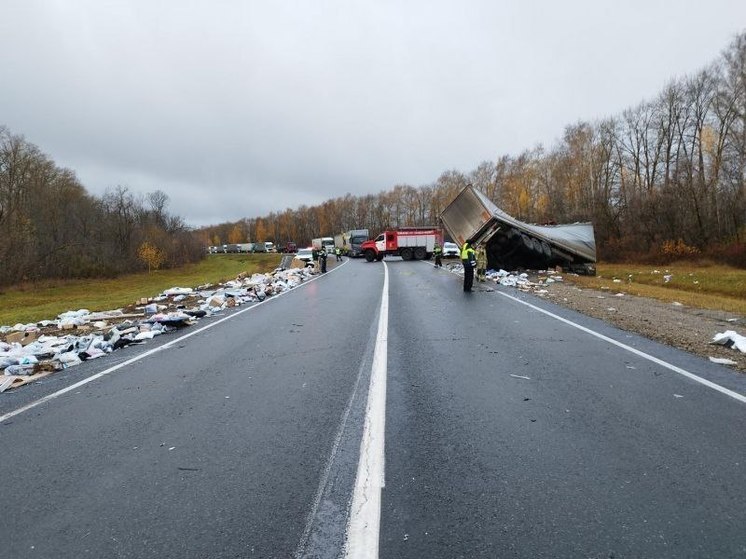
x=30, y=351
x=722, y=361
x=730, y=339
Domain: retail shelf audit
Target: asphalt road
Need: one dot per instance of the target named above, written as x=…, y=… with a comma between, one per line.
x=509, y=432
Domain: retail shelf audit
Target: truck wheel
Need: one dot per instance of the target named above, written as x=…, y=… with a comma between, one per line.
x=406, y=253
x=419, y=253
x=379, y=257
x=370, y=255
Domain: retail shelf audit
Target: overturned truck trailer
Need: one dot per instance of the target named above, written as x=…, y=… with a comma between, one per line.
x=512, y=244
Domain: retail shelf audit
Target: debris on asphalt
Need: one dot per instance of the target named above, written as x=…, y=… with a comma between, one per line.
x=31, y=351
x=722, y=361
x=519, y=280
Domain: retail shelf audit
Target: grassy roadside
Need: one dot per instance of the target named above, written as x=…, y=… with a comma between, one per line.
x=700, y=286
x=34, y=302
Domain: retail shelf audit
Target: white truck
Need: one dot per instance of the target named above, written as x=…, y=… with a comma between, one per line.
x=326, y=242
x=350, y=242
x=511, y=244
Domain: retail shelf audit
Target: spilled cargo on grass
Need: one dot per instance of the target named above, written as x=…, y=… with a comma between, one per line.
x=31, y=351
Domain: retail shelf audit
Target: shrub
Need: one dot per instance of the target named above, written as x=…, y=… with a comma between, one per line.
x=678, y=250
x=733, y=254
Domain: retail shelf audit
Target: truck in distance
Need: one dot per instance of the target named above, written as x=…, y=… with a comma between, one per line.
x=326, y=242
x=350, y=241
x=408, y=242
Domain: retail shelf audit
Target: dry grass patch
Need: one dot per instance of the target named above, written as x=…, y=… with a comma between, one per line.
x=34, y=302
x=704, y=286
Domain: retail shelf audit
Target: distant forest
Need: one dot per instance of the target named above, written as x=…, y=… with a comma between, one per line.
x=664, y=179
x=52, y=228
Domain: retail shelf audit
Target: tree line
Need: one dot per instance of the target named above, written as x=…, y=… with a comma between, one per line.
x=51, y=227
x=663, y=177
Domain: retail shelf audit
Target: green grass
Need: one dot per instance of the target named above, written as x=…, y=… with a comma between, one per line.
x=701, y=285
x=34, y=302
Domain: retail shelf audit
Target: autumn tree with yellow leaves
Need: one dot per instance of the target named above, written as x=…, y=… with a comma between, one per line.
x=151, y=255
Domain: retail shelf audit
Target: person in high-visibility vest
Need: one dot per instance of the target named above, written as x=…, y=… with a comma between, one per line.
x=438, y=252
x=469, y=260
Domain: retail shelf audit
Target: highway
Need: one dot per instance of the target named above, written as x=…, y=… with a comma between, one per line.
x=380, y=411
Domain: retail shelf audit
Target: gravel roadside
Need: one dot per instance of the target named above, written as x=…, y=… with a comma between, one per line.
x=676, y=325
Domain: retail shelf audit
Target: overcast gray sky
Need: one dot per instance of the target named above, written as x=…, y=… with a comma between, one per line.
x=238, y=108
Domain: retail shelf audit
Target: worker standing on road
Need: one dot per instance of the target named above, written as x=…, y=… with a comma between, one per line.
x=438, y=252
x=481, y=263
x=338, y=253
x=468, y=259
x=322, y=259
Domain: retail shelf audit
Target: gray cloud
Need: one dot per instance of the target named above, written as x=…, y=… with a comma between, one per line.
x=238, y=108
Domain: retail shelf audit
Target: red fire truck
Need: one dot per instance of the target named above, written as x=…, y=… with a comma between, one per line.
x=408, y=242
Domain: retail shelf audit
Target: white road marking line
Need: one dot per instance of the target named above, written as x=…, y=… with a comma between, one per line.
x=365, y=512
x=300, y=550
x=148, y=353
x=674, y=368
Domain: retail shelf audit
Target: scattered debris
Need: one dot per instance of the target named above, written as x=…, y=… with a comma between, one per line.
x=519, y=376
x=730, y=339
x=722, y=361
x=31, y=351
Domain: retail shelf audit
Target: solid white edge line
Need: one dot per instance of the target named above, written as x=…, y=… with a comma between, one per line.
x=148, y=353
x=735, y=395
x=363, y=526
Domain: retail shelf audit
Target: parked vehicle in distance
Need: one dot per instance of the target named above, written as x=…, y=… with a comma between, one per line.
x=259, y=247
x=290, y=247
x=306, y=255
x=326, y=242
x=270, y=246
x=230, y=248
x=450, y=250
x=349, y=241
